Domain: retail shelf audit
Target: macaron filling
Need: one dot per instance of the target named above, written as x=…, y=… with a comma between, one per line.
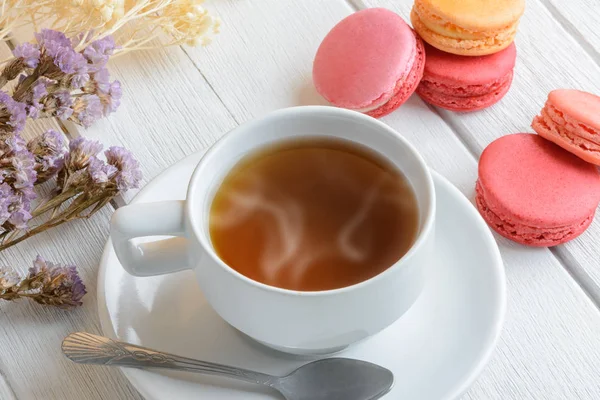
x=527, y=234
x=553, y=122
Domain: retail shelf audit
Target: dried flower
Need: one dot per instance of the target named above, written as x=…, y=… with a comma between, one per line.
x=59, y=104
x=129, y=174
x=99, y=171
x=17, y=176
x=55, y=80
x=46, y=283
x=12, y=114
x=28, y=53
x=98, y=53
x=48, y=151
x=135, y=24
x=6, y=200
x=87, y=109
x=84, y=183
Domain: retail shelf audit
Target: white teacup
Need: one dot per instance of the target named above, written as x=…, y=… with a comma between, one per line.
x=290, y=321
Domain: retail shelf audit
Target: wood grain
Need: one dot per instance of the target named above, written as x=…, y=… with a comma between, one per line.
x=580, y=19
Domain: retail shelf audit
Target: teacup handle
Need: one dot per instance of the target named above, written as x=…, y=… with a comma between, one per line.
x=151, y=219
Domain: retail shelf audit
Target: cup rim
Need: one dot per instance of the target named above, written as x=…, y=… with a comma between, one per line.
x=208, y=249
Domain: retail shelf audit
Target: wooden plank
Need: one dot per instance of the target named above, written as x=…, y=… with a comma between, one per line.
x=533, y=360
x=580, y=19
x=30, y=334
x=538, y=356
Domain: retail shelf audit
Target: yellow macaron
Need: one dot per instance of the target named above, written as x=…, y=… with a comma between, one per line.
x=467, y=27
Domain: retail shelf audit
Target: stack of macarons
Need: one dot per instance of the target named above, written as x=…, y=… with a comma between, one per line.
x=470, y=52
x=460, y=56
x=543, y=190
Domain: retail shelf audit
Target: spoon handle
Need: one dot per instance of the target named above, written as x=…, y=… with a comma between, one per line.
x=85, y=348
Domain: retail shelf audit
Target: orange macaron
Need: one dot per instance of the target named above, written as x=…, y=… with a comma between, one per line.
x=468, y=27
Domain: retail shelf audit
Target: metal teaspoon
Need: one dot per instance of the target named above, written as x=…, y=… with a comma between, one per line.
x=326, y=379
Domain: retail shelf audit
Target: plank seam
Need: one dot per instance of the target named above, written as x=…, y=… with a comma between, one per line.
x=572, y=30
x=210, y=85
x=578, y=273
x=356, y=4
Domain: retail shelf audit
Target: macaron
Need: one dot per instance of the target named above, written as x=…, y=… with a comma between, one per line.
x=460, y=83
x=534, y=192
x=467, y=27
x=370, y=62
x=571, y=119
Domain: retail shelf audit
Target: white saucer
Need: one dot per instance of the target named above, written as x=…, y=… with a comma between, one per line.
x=436, y=350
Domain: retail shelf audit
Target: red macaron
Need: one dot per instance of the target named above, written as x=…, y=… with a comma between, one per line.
x=463, y=83
x=534, y=192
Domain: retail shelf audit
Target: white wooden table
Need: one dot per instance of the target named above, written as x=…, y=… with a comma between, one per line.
x=180, y=100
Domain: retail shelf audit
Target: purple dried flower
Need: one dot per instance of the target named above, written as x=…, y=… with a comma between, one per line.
x=12, y=113
x=55, y=284
x=48, y=150
x=71, y=62
x=38, y=91
x=6, y=199
x=63, y=104
x=129, y=174
x=12, y=144
x=23, y=164
x=81, y=150
x=8, y=279
x=20, y=215
x=98, y=52
x=59, y=48
x=102, y=80
x=87, y=109
x=29, y=53
x=99, y=171
x=52, y=41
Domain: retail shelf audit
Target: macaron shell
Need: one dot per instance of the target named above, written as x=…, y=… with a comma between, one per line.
x=476, y=15
x=406, y=86
x=536, y=183
x=579, y=106
x=452, y=70
x=361, y=60
x=461, y=83
x=447, y=39
x=529, y=236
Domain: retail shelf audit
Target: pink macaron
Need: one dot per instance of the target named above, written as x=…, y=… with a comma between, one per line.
x=370, y=62
x=535, y=193
x=462, y=83
x=571, y=119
